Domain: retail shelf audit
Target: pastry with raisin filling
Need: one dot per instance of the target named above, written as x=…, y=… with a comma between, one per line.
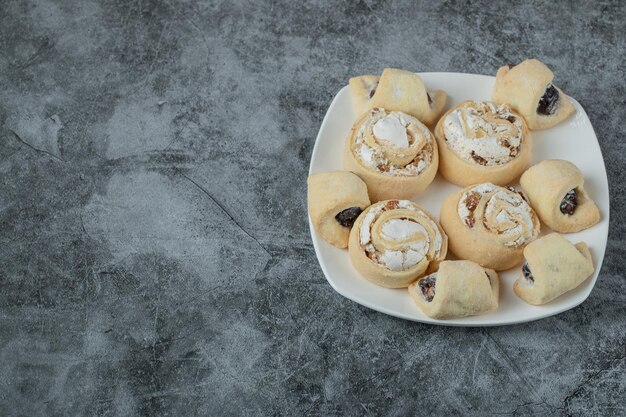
x=405, y=91
x=362, y=90
x=480, y=141
x=528, y=89
x=555, y=189
x=553, y=267
x=457, y=289
x=335, y=201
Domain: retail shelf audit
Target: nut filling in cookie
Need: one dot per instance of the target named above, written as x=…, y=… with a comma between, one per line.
x=393, y=143
x=399, y=243
x=395, y=242
x=484, y=133
x=505, y=213
x=427, y=286
x=549, y=101
x=347, y=217
x=528, y=276
x=471, y=202
x=569, y=202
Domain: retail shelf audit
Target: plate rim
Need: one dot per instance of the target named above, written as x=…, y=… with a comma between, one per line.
x=459, y=321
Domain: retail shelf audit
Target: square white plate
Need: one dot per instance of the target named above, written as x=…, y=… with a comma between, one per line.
x=573, y=140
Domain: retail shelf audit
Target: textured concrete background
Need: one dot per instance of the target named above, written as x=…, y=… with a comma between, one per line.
x=154, y=252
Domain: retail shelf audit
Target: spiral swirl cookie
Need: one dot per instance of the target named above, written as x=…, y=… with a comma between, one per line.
x=457, y=289
x=555, y=188
x=528, y=89
x=394, y=153
x=482, y=142
x=489, y=225
x=394, y=242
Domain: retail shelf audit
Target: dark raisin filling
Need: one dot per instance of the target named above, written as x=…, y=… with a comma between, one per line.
x=430, y=100
x=479, y=159
x=511, y=119
x=549, y=101
x=373, y=91
x=347, y=217
x=527, y=274
x=510, y=65
x=427, y=285
x=569, y=202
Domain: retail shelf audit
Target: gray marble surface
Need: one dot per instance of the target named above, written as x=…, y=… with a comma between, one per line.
x=155, y=256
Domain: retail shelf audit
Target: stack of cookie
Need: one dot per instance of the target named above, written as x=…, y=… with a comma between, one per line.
x=391, y=155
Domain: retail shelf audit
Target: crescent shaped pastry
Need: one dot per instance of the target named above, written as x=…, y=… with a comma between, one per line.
x=489, y=225
x=528, y=89
x=394, y=153
x=335, y=201
x=362, y=90
x=482, y=142
x=457, y=289
x=553, y=267
x=405, y=91
x=394, y=242
x=555, y=190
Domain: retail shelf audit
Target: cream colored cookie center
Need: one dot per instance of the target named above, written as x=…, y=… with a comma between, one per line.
x=484, y=133
x=401, y=243
x=503, y=212
x=391, y=130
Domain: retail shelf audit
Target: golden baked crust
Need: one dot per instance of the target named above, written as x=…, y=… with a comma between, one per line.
x=394, y=261
x=405, y=91
x=557, y=266
x=400, y=173
x=461, y=289
x=496, y=229
x=466, y=171
x=547, y=183
x=330, y=193
x=362, y=89
x=522, y=87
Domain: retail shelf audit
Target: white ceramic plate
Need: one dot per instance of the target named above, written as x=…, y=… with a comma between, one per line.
x=573, y=140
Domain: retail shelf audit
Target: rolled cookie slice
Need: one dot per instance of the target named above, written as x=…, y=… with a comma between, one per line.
x=527, y=88
x=489, y=225
x=457, y=289
x=553, y=267
x=393, y=152
x=394, y=242
x=362, y=89
x=481, y=141
x=405, y=91
x=555, y=190
x=335, y=201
